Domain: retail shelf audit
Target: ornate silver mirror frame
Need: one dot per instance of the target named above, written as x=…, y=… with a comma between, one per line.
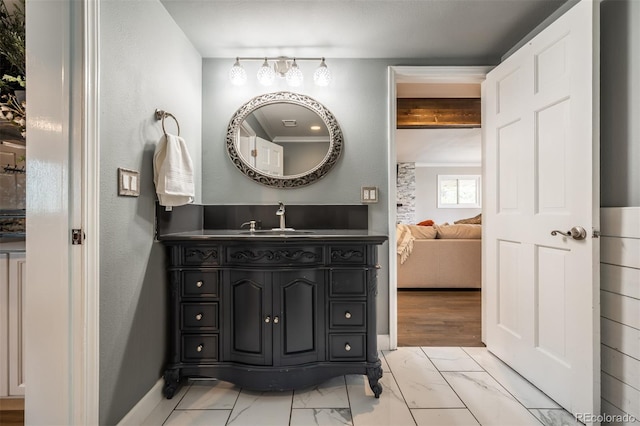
x=289, y=181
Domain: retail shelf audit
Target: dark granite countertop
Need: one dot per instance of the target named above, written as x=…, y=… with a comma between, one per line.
x=275, y=235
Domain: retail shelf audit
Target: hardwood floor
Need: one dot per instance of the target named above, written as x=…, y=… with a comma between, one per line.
x=439, y=317
x=12, y=412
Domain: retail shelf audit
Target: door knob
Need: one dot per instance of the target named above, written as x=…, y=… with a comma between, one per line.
x=267, y=319
x=577, y=233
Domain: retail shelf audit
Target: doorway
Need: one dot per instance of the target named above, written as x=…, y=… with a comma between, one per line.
x=408, y=306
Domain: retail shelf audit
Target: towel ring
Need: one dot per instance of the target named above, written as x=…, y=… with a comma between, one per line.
x=160, y=115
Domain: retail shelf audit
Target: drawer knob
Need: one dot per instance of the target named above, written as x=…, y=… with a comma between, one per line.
x=199, y=317
x=347, y=315
x=347, y=347
x=276, y=320
x=199, y=284
x=200, y=347
x=267, y=319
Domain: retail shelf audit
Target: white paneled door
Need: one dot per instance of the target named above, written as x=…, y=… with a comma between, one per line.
x=269, y=157
x=540, y=148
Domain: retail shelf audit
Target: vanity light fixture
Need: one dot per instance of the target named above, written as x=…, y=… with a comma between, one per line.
x=237, y=74
x=294, y=76
x=266, y=74
x=281, y=66
x=322, y=76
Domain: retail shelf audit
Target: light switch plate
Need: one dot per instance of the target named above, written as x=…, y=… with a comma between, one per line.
x=128, y=182
x=369, y=194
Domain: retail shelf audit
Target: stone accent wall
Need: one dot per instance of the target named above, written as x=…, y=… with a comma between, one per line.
x=406, y=190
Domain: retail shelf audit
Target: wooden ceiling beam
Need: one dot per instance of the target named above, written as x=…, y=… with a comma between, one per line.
x=438, y=113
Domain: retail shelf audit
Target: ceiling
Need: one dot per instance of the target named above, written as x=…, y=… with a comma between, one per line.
x=443, y=147
x=284, y=122
x=445, y=30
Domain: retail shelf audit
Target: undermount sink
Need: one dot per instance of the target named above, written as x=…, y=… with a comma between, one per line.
x=276, y=232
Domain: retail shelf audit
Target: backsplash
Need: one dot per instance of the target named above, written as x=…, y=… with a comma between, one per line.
x=193, y=217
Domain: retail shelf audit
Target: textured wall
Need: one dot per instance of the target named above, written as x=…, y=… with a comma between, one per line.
x=146, y=63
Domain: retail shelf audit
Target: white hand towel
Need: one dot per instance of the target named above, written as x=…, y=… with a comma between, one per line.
x=173, y=172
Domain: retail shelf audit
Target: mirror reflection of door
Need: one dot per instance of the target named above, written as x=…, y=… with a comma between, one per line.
x=260, y=153
x=246, y=142
x=268, y=157
x=283, y=139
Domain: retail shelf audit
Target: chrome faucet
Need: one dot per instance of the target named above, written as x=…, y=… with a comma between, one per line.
x=280, y=213
x=252, y=225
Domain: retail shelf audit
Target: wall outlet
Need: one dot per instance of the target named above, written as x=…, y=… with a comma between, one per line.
x=369, y=194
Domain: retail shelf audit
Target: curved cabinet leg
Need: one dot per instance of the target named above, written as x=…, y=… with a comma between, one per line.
x=171, y=382
x=374, y=374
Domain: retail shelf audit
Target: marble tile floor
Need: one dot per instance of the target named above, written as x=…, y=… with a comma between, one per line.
x=436, y=386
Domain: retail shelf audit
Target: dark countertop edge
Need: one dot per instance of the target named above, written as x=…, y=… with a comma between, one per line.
x=235, y=235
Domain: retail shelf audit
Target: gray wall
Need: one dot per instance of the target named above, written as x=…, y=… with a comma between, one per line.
x=358, y=99
x=620, y=103
x=620, y=180
x=427, y=194
x=146, y=63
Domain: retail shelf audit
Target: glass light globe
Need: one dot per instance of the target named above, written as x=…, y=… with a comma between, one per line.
x=294, y=75
x=237, y=74
x=266, y=74
x=322, y=76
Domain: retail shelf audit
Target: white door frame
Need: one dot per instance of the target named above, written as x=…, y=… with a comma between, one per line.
x=412, y=74
x=62, y=300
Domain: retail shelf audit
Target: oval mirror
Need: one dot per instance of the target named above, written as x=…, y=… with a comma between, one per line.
x=284, y=140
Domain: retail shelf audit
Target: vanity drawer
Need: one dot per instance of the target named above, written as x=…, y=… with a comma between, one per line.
x=199, y=316
x=274, y=255
x=347, y=347
x=348, y=282
x=199, y=347
x=201, y=255
x=348, y=314
x=200, y=284
x=347, y=255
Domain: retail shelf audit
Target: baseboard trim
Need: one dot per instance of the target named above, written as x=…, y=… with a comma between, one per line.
x=384, y=342
x=145, y=406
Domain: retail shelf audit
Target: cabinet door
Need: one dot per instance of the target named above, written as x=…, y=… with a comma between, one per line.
x=247, y=317
x=298, y=332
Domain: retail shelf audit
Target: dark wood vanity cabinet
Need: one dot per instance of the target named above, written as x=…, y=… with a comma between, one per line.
x=274, y=318
x=272, y=315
